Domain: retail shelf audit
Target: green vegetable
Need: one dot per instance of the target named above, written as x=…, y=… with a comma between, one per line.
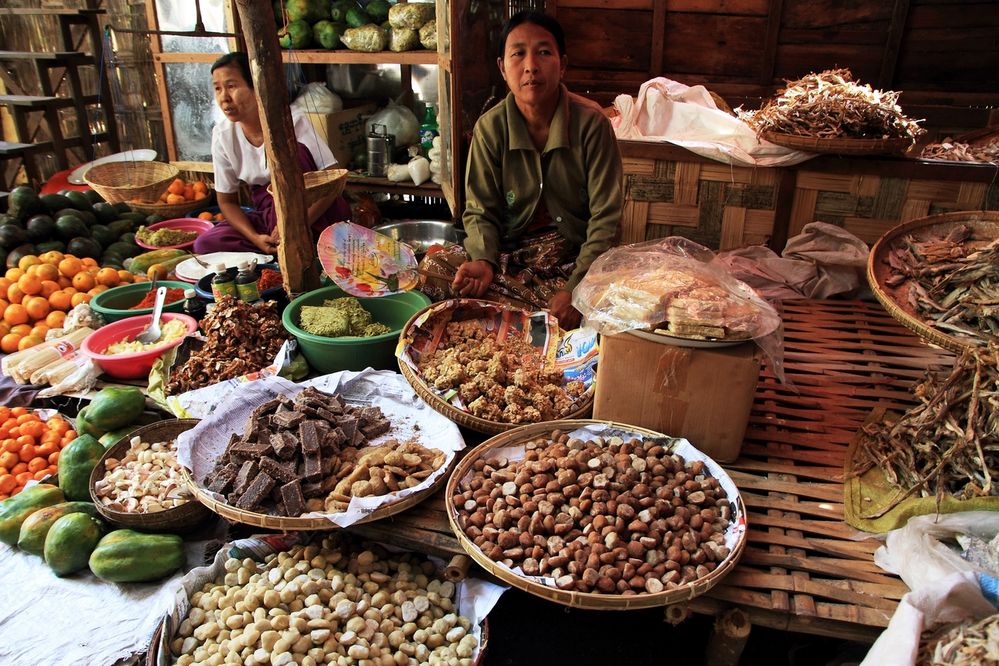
x=76, y=462
x=126, y=556
x=110, y=409
x=15, y=510
x=70, y=542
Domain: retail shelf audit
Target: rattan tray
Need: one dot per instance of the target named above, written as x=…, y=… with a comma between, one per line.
x=181, y=518
x=839, y=146
x=459, y=416
x=984, y=225
x=517, y=438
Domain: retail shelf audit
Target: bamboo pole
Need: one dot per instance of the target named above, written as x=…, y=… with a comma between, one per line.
x=296, y=252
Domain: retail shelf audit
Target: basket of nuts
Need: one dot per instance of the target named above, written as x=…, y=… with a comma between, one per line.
x=138, y=483
x=595, y=514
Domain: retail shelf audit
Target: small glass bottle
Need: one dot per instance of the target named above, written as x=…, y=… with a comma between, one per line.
x=222, y=283
x=194, y=306
x=246, y=283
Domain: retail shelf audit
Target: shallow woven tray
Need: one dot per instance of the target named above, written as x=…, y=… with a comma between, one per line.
x=462, y=417
x=984, y=225
x=183, y=517
x=124, y=181
x=839, y=146
x=519, y=437
x=297, y=523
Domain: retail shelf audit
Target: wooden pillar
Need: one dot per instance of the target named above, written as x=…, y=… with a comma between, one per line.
x=728, y=638
x=296, y=253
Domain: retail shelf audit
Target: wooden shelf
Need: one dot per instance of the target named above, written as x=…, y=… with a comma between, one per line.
x=348, y=57
x=358, y=183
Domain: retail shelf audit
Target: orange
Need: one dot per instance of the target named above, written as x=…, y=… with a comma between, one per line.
x=125, y=276
x=7, y=483
x=52, y=257
x=65, y=281
x=205, y=216
x=55, y=318
x=13, y=273
x=98, y=289
x=89, y=262
x=33, y=428
x=70, y=266
x=177, y=186
x=29, y=284
x=37, y=307
x=53, y=458
x=47, y=272
x=57, y=424
x=15, y=314
x=4, y=327
x=24, y=477
x=40, y=330
x=60, y=300
x=29, y=341
x=83, y=281
x=80, y=297
x=200, y=195
x=18, y=411
x=175, y=198
x=49, y=287
x=8, y=459
x=108, y=277
x=3, y=305
x=46, y=449
x=21, y=329
x=189, y=192
x=4, y=283
x=28, y=260
x=200, y=186
x=14, y=293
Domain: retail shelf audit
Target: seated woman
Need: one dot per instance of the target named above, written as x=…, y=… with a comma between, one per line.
x=543, y=185
x=239, y=156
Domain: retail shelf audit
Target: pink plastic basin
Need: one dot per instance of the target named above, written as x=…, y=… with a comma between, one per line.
x=179, y=224
x=138, y=364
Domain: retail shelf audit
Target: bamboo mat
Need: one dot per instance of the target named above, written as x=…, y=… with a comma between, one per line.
x=803, y=569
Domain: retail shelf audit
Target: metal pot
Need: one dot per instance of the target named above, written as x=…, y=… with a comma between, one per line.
x=421, y=234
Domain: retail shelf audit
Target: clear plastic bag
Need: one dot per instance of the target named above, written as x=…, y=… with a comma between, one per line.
x=317, y=98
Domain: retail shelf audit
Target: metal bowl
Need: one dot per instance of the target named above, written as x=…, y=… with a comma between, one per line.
x=421, y=234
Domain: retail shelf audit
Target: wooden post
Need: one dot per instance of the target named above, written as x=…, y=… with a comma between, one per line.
x=728, y=638
x=296, y=253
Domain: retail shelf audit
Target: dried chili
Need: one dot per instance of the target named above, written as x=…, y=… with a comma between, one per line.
x=173, y=294
x=269, y=279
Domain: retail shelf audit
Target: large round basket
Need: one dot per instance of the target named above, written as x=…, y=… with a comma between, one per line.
x=984, y=226
x=124, y=181
x=514, y=440
x=325, y=183
x=299, y=523
x=460, y=416
x=178, y=519
x=839, y=145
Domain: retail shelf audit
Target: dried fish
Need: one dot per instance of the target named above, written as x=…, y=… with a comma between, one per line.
x=957, y=151
x=949, y=443
x=831, y=104
x=974, y=644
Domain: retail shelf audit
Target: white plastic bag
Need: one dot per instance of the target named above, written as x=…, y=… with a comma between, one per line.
x=317, y=98
x=399, y=121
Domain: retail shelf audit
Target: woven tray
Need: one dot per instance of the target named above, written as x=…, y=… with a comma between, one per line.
x=839, y=146
x=297, y=523
x=319, y=184
x=124, y=181
x=984, y=225
x=516, y=439
x=460, y=416
x=181, y=518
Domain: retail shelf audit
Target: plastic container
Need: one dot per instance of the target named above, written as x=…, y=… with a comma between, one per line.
x=138, y=364
x=114, y=303
x=333, y=354
x=246, y=283
x=179, y=224
x=223, y=283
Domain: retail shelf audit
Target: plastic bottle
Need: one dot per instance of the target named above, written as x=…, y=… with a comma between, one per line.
x=428, y=130
x=246, y=283
x=222, y=283
x=194, y=306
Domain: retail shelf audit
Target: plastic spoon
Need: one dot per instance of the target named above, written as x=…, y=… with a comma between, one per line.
x=152, y=332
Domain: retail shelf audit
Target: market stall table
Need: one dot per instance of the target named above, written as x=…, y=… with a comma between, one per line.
x=803, y=568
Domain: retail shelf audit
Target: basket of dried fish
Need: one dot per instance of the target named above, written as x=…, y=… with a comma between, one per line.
x=491, y=367
x=829, y=112
x=939, y=277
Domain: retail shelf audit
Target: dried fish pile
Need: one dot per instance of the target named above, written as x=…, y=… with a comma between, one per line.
x=965, y=645
x=956, y=151
x=832, y=105
x=949, y=443
x=953, y=282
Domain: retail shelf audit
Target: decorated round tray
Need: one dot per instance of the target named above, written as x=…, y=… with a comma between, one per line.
x=839, y=145
x=664, y=537
x=900, y=297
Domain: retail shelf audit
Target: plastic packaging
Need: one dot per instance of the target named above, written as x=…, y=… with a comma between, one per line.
x=419, y=170
x=399, y=122
x=317, y=98
x=222, y=283
x=246, y=283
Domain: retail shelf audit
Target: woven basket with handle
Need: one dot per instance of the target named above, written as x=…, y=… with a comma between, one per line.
x=124, y=181
x=190, y=172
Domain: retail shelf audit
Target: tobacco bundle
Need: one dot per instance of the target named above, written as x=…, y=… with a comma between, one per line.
x=831, y=104
x=953, y=282
x=949, y=443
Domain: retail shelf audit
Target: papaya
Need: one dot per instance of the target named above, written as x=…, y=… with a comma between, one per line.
x=127, y=556
x=71, y=541
x=141, y=263
x=15, y=510
x=31, y=538
x=76, y=462
x=112, y=408
x=111, y=437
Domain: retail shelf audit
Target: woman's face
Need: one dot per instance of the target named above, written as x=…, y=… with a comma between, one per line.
x=233, y=94
x=531, y=65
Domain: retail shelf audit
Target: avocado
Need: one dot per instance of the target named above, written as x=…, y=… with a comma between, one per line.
x=79, y=200
x=128, y=237
x=54, y=202
x=23, y=202
x=356, y=17
x=134, y=216
x=94, y=196
x=15, y=255
x=69, y=227
x=83, y=247
x=153, y=218
x=120, y=227
x=40, y=228
x=12, y=235
x=8, y=219
x=87, y=216
x=295, y=35
x=327, y=34
x=121, y=207
x=105, y=212
x=103, y=235
x=49, y=246
x=124, y=249
x=378, y=10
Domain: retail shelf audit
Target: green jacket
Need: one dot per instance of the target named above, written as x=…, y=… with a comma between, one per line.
x=579, y=174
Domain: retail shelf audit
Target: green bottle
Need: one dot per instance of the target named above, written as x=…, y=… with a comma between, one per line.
x=429, y=129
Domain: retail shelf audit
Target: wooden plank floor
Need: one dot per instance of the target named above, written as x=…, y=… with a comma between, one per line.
x=803, y=568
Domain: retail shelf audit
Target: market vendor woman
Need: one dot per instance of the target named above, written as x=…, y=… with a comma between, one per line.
x=239, y=157
x=543, y=186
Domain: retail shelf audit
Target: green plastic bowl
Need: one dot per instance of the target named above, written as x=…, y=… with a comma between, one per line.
x=114, y=303
x=334, y=354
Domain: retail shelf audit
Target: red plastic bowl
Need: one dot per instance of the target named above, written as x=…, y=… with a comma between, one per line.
x=180, y=224
x=135, y=365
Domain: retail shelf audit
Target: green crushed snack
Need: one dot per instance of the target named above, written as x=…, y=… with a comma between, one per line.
x=340, y=318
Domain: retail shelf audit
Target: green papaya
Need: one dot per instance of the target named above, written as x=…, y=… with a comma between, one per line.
x=127, y=556
x=111, y=437
x=31, y=538
x=15, y=510
x=113, y=408
x=71, y=541
x=76, y=462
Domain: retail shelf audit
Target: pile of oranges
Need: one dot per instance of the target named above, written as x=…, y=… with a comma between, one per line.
x=36, y=295
x=206, y=215
x=29, y=447
x=181, y=191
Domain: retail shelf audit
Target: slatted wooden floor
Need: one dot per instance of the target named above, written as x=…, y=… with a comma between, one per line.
x=803, y=568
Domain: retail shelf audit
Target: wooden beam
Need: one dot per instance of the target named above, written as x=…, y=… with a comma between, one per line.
x=156, y=49
x=656, y=64
x=296, y=251
x=893, y=44
x=774, y=15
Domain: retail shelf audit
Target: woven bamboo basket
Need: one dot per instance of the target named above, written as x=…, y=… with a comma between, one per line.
x=838, y=145
x=190, y=172
x=124, y=181
x=984, y=226
x=517, y=439
x=298, y=523
x=460, y=416
x=325, y=183
x=178, y=519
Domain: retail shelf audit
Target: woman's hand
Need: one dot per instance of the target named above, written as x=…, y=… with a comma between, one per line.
x=560, y=305
x=473, y=278
x=267, y=244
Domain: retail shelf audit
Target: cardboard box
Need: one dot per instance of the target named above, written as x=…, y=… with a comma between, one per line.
x=702, y=394
x=344, y=131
